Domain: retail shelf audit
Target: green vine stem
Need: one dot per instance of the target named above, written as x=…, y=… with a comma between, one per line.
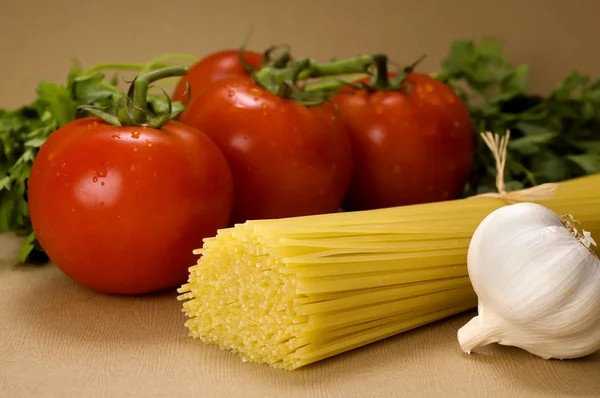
x=379, y=80
x=162, y=61
x=296, y=80
x=334, y=84
x=269, y=75
x=132, y=109
x=283, y=81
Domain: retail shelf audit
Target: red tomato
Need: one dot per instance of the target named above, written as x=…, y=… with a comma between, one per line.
x=408, y=148
x=120, y=209
x=286, y=159
x=217, y=66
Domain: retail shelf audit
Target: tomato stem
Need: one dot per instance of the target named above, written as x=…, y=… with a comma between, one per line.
x=140, y=89
x=334, y=84
x=269, y=76
x=360, y=64
x=381, y=79
x=280, y=61
x=283, y=81
x=288, y=86
x=132, y=109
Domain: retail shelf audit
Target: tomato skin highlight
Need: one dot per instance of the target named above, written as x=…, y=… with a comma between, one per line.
x=216, y=66
x=408, y=149
x=120, y=209
x=286, y=159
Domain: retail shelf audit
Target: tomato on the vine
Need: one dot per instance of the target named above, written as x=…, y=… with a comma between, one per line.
x=121, y=208
x=216, y=66
x=413, y=145
x=287, y=159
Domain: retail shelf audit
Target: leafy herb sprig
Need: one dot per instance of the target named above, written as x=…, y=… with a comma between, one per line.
x=553, y=137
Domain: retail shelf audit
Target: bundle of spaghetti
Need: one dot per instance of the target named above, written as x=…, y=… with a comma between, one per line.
x=290, y=292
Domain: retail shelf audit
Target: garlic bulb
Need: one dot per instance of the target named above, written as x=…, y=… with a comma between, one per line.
x=537, y=283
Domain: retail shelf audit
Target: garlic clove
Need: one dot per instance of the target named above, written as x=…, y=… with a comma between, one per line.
x=476, y=333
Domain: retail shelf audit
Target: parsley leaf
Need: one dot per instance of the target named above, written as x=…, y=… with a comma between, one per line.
x=553, y=137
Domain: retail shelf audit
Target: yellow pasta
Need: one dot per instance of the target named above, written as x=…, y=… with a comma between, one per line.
x=290, y=292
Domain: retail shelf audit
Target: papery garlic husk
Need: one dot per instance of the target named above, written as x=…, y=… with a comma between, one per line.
x=537, y=283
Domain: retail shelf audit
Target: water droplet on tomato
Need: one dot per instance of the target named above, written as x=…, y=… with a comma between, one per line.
x=101, y=203
x=256, y=98
x=265, y=113
x=102, y=183
x=132, y=168
x=95, y=179
x=155, y=174
x=135, y=149
x=116, y=136
x=64, y=165
x=101, y=171
x=263, y=105
x=450, y=99
x=149, y=143
x=428, y=88
x=73, y=209
x=149, y=157
x=135, y=134
x=231, y=93
x=58, y=174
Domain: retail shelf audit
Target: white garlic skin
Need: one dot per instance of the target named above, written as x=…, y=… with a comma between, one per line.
x=538, y=286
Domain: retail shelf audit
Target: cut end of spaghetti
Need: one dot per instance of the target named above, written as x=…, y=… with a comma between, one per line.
x=241, y=301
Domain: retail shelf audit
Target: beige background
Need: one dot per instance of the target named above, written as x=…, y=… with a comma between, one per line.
x=58, y=339
x=38, y=39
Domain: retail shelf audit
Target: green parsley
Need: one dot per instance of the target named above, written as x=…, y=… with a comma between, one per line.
x=553, y=137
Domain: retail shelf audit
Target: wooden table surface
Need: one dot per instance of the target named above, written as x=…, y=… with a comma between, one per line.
x=58, y=339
